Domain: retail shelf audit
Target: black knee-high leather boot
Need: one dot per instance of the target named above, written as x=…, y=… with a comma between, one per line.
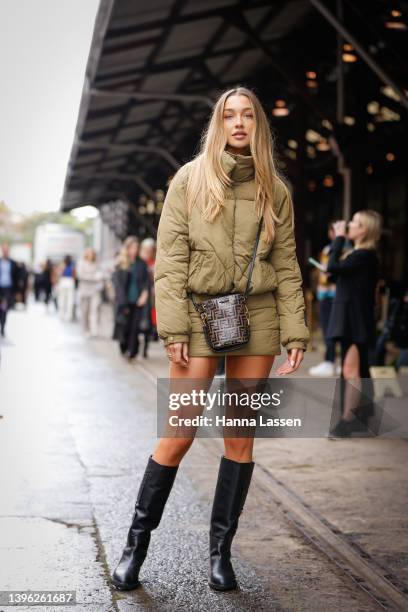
x=154, y=490
x=230, y=493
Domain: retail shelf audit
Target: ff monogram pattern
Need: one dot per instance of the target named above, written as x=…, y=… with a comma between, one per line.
x=225, y=321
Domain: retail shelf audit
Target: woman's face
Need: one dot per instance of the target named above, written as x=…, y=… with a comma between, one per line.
x=356, y=231
x=133, y=250
x=147, y=253
x=239, y=123
x=90, y=255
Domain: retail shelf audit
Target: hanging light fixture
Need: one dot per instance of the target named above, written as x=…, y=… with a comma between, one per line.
x=348, y=120
x=394, y=22
x=311, y=81
x=349, y=58
x=280, y=109
x=348, y=53
x=323, y=145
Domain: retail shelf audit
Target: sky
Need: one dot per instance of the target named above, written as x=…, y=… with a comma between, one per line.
x=44, y=47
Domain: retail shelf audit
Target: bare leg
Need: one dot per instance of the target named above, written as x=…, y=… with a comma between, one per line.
x=242, y=367
x=170, y=451
x=351, y=374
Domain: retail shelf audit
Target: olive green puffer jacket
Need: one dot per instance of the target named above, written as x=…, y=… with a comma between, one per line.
x=211, y=258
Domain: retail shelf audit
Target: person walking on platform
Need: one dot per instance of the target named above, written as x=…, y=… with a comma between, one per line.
x=8, y=285
x=131, y=284
x=352, y=318
x=90, y=286
x=66, y=289
x=148, y=254
x=49, y=281
x=209, y=230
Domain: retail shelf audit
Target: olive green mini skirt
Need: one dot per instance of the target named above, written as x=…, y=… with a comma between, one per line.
x=264, y=329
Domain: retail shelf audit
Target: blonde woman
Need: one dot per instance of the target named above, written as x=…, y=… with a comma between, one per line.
x=206, y=236
x=131, y=284
x=352, y=319
x=90, y=278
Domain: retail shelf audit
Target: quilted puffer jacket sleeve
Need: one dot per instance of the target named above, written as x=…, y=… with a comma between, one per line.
x=172, y=261
x=289, y=295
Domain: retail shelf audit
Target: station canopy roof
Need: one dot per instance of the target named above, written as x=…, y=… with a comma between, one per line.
x=156, y=66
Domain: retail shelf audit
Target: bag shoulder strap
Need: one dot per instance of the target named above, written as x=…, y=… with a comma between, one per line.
x=251, y=267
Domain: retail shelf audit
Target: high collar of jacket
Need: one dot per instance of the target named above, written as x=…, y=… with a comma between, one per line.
x=239, y=167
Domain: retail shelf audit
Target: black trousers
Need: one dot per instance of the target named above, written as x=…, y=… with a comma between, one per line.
x=325, y=306
x=6, y=301
x=133, y=329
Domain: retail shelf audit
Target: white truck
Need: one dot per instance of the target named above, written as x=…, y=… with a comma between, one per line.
x=54, y=241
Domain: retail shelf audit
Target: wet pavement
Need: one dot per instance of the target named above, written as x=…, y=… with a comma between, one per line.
x=78, y=426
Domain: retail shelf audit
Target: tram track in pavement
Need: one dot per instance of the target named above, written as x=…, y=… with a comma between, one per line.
x=356, y=564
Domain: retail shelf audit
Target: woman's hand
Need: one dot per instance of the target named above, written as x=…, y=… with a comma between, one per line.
x=295, y=358
x=177, y=352
x=143, y=298
x=339, y=228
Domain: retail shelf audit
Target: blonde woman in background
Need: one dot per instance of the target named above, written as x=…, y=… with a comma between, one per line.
x=352, y=318
x=90, y=278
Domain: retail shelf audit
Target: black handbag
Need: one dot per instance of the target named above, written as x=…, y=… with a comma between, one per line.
x=225, y=318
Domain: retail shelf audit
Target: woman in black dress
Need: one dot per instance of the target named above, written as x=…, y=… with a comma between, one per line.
x=352, y=319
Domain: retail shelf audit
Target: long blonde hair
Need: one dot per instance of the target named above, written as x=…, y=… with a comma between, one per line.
x=123, y=261
x=208, y=181
x=371, y=221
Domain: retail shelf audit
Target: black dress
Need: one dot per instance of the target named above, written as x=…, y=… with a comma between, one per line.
x=352, y=319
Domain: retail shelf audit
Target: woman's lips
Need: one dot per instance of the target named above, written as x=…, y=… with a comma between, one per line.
x=239, y=136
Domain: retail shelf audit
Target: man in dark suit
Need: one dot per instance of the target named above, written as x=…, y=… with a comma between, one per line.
x=8, y=284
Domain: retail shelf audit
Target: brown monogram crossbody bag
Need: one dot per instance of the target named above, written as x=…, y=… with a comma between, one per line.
x=225, y=318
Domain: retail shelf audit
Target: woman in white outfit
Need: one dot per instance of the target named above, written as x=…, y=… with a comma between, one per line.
x=90, y=278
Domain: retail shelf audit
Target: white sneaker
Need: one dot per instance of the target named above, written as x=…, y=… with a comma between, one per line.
x=325, y=368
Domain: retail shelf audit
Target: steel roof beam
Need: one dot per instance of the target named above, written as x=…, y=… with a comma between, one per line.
x=99, y=32
x=371, y=63
x=117, y=176
x=173, y=65
x=180, y=19
x=176, y=9
x=130, y=148
x=131, y=95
